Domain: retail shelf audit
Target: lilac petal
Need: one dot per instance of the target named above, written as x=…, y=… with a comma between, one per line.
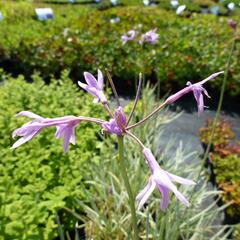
x=124, y=39
x=67, y=136
x=120, y=117
x=165, y=197
x=91, y=80
x=91, y=90
x=100, y=79
x=162, y=179
x=60, y=131
x=211, y=77
x=24, y=139
x=82, y=85
x=199, y=98
x=101, y=96
x=180, y=197
x=180, y=180
x=26, y=129
x=112, y=127
x=147, y=193
x=28, y=114
x=173, y=98
x=143, y=192
x=19, y=131
x=205, y=92
x=59, y=120
x=151, y=160
x=73, y=137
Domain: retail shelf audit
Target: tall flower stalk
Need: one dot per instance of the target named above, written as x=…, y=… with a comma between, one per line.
x=233, y=25
x=119, y=125
x=122, y=167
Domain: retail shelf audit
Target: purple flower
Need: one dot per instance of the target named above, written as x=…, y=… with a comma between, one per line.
x=120, y=118
x=163, y=180
x=197, y=90
x=150, y=36
x=118, y=124
x=94, y=87
x=232, y=24
x=129, y=36
x=65, y=128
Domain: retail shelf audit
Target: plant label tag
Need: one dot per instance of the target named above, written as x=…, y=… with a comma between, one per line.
x=44, y=13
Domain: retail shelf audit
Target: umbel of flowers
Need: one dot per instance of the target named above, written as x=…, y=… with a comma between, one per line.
x=118, y=124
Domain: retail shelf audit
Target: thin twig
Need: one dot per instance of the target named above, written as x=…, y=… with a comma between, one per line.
x=108, y=110
x=135, y=138
x=131, y=198
x=147, y=117
x=113, y=87
x=136, y=98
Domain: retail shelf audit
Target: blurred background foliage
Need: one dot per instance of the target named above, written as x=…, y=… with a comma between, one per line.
x=81, y=38
x=45, y=194
x=38, y=179
x=224, y=162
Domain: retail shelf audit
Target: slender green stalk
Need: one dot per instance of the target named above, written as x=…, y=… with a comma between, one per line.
x=220, y=102
x=206, y=154
x=128, y=187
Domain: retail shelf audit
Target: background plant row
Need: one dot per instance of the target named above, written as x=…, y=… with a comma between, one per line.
x=225, y=162
x=82, y=38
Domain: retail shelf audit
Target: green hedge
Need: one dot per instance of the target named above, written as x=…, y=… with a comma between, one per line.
x=225, y=161
x=227, y=178
x=38, y=180
x=189, y=48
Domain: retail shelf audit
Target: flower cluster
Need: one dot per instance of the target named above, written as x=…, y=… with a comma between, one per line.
x=129, y=36
x=118, y=125
x=148, y=37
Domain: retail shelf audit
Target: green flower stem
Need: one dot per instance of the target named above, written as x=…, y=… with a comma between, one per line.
x=127, y=185
x=206, y=154
x=220, y=102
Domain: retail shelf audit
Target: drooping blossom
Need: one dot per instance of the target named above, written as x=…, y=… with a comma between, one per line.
x=197, y=90
x=117, y=124
x=150, y=37
x=232, y=24
x=129, y=36
x=94, y=87
x=65, y=128
x=163, y=180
